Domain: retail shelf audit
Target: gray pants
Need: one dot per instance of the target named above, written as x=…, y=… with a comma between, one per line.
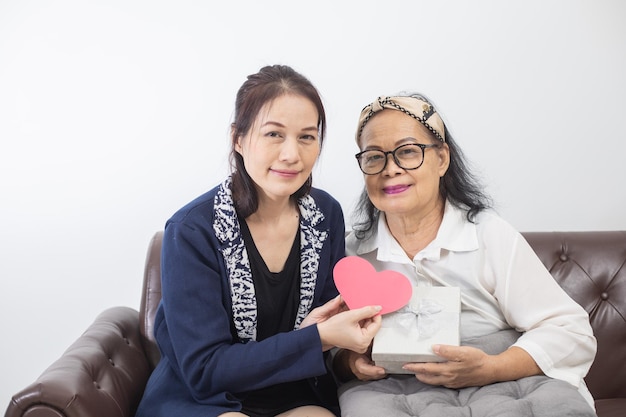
x=405, y=396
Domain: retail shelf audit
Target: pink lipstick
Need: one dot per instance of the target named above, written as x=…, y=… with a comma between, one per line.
x=395, y=189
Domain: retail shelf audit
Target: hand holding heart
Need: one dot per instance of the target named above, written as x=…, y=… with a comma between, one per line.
x=351, y=329
x=360, y=285
x=368, y=294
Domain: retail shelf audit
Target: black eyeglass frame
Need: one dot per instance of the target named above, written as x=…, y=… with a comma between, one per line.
x=395, y=158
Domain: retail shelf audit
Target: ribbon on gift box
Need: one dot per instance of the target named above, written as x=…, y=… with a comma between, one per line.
x=426, y=318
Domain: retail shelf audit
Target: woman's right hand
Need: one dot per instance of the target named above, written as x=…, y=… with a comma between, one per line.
x=352, y=329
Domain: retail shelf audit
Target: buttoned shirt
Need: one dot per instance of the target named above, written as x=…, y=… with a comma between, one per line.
x=503, y=285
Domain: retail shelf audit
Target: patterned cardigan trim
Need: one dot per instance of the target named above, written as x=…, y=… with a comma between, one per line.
x=226, y=227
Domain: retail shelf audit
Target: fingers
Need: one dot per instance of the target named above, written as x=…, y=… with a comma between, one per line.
x=457, y=353
x=332, y=305
x=368, y=321
x=464, y=366
x=448, y=352
x=372, y=325
x=366, y=312
x=423, y=368
x=366, y=370
x=353, y=329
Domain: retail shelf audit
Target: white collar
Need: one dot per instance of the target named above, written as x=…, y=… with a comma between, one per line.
x=455, y=234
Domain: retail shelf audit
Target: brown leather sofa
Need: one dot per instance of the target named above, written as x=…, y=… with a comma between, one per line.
x=103, y=373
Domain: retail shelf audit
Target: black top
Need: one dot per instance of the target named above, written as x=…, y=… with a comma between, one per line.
x=277, y=293
x=277, y=297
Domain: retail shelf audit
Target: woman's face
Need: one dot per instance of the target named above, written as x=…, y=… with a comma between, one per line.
x=397, y=191
x=281, y=148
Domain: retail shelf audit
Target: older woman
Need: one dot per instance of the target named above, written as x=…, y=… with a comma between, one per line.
x=423, y=214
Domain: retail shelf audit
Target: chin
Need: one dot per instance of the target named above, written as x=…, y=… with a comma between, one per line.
x=394, y=208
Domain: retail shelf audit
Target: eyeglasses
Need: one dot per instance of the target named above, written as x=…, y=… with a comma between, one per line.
x=409, y=156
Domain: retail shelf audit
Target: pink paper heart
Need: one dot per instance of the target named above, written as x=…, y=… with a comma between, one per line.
x=360, y=285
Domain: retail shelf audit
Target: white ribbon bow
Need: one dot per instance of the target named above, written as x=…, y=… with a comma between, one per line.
x=425, y=318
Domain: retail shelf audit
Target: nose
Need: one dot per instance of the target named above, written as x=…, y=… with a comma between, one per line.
x=391, y=168
x=289, y=150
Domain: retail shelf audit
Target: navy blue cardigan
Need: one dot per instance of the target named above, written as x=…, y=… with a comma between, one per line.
x=205, y=325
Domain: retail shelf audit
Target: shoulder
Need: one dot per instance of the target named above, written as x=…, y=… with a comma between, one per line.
x=490, y=219
x=322, y=211
x=324, y=200
x=352, y=243
x=324, y=204
x=200, y=209
x=491, y=227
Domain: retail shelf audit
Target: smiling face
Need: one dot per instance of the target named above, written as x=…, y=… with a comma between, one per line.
x=281, y=147
x=396, y=191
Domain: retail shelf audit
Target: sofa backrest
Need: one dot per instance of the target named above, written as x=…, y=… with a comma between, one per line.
x=589, y=266
x=150, y=298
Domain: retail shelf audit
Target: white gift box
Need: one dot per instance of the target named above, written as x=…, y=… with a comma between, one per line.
x=431, y=317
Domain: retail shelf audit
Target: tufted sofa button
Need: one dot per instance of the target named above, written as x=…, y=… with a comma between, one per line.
x=563, y=257
x=604, y=296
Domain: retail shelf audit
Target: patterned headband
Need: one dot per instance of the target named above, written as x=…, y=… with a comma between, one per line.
x=417, y=108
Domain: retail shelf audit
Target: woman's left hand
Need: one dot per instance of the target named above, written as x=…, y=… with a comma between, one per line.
x=471, y=367
x=465, y=366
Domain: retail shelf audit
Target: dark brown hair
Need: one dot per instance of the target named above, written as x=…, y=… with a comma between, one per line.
x=260, y=88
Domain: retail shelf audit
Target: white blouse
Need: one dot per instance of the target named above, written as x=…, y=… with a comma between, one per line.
x=503, y=285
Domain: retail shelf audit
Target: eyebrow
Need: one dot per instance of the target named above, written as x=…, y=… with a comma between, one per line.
x=272, y=123
x=399, y=142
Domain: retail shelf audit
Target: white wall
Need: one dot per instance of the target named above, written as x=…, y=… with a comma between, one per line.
x=115, y=113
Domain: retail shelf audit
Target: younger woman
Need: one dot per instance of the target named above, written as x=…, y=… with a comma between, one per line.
x=249, y=305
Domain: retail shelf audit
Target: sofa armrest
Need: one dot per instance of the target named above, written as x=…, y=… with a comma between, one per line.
x=102, y=374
